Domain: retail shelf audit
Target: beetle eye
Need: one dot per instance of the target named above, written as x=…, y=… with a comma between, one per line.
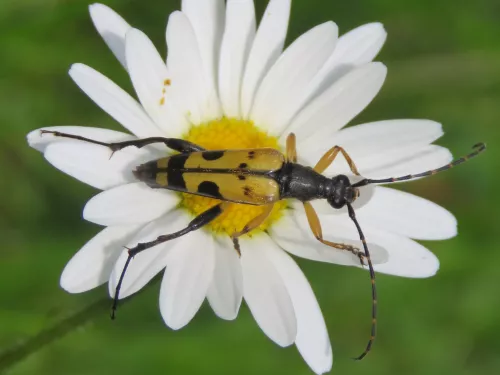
x=336, y=202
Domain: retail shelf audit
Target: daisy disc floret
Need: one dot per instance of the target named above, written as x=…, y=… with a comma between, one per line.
x=228, y=84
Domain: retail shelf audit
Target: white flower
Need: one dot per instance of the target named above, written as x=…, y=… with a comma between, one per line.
x=226, y=85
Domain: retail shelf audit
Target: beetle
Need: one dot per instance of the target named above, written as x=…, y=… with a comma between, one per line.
x=260, y=176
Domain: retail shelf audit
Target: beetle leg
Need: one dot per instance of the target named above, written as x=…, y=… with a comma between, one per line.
x=198, y=222
x=236, y=244
x=315, y=225
x=255, y=222
x=330, y=156
x=291, y=150
x=251, y=225
x=172, y=143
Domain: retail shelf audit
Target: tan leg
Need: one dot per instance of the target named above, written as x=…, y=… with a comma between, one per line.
x=330, y=156
x=256, y=221
x=251, y=225
x=315, y=226
x=291, y=150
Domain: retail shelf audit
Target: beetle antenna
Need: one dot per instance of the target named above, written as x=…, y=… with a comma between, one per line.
x=478, y=148
x=352, y=215
x=119, y=286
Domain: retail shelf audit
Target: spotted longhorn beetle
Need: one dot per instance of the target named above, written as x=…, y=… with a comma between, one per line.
x=260, y=176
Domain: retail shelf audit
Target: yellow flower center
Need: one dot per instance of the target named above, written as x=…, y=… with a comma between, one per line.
x=227, y=134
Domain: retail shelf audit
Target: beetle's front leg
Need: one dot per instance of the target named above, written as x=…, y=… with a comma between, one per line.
x=315, y=226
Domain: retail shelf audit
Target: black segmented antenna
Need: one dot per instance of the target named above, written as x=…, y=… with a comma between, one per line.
x=478, y=148
x=352, y=215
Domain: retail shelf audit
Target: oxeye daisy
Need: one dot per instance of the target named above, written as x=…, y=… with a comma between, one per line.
x=229, y=85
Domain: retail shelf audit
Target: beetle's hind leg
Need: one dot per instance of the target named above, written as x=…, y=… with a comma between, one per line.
x=175, y=144
x=315, y=226
x=251, y=225
x=197, y=223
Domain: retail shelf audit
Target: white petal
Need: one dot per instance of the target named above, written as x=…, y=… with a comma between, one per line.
x=406, y=214
x=360, y=45
x=91, y=266
x=363, y=142
x=112, y=28
x=129, y=204
x=150, y=262
x=266, y=49
x=184, y=63
x=407, y=258
x=357, y=47
x=312, y=336
x=93, y=164
x=226, y=291
x=189, y=273
x=367, y=139
x=40, y=141
x=236, y=43
x=149, y=75
x=338, y=105
x=112, y=99
x=293, y=234
x=375, y=144
x=207, y=19
x=265, y=292
x=404, y=162
x=281, y=93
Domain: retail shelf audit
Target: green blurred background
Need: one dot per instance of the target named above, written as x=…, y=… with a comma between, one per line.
x=444, y=64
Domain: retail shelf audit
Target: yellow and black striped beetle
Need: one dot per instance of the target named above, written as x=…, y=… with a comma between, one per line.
x=260, y=176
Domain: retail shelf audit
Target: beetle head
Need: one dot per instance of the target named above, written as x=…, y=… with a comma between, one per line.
x=341, y=192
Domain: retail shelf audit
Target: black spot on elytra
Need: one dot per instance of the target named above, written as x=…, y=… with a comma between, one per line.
x=251, y=155
x=247, y=190
x=241, y=177
x=177, y=161
x=209, y=188
x=174, y=173
x=212, y=155
x=243, y=165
